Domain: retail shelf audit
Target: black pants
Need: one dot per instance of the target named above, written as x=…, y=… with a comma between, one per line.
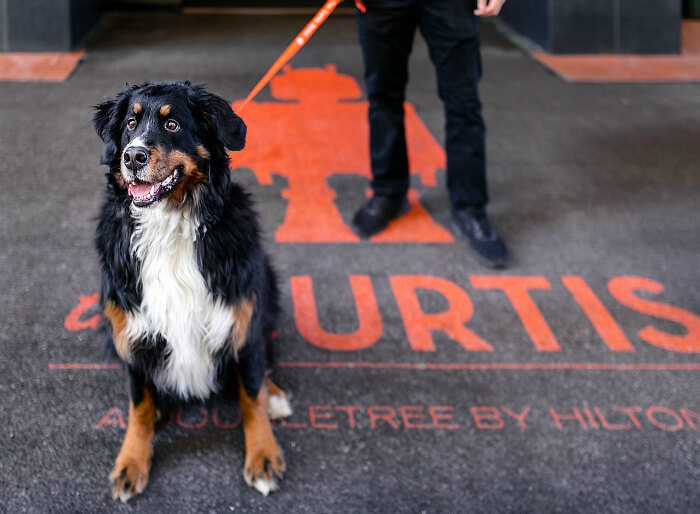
x=451, y=31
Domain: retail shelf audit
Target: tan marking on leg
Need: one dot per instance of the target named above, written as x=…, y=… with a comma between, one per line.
x=130, y=473
x=242, y=315
x=264, y=463
x=137, y=108
x=117, y=318
x=164, y=110
x=274, y=389
x=202, y=152
x=278, y=402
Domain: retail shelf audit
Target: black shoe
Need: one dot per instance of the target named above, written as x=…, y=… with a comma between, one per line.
x=376, y=213
x=473, y=225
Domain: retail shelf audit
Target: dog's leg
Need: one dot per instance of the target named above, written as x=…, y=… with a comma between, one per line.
x=264, y=463
x=278, y=405
x=130, y=474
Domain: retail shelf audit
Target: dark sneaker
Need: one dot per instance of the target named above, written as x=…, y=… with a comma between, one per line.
x=472, y=225
x=376, y=213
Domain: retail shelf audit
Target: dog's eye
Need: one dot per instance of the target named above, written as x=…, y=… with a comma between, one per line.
x=131, y=124
x=172, y=126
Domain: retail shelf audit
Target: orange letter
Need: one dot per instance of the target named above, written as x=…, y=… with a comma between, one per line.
x=622, y=288
x=407, y=416
x=200, y=424
x=520, y=417
x=73, y=322
x=689, y=415
x=630, y=412
x=219, y=424
x=451, y=321
x=664, y=426
x=440, y=413
x=576, y=415
x=113, y=417
x=515, y=289
x=601, y=318
x=487, y=414
x=350, y=410
x=609, y=426
x=369, y=331
x=313, y=416
x=374, y=416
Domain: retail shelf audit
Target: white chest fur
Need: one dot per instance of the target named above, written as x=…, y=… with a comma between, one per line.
x=176, y=302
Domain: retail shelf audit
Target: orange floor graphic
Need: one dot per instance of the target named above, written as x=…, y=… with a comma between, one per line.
x=684, y=67
x=38, y=67
x=315, y=128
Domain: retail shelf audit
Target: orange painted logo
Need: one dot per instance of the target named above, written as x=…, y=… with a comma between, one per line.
x=74, y=320
x=318, y=129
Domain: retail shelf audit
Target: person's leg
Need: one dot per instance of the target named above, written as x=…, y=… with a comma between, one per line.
x=452, y=33
x=386, y=33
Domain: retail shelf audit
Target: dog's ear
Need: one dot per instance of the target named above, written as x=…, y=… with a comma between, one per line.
x=220, y=118
x=107, y=122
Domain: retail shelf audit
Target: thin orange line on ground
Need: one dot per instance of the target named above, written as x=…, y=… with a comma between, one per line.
x=517, y=366
x=684, y=67
x=84, y=366
x=38, y=67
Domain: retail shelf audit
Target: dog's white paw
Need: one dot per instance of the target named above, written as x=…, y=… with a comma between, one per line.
x=262, y=484
x=128, y=478
x=278, y=406
x=264, y=467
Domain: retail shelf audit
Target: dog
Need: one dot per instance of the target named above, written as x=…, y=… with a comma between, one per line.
x=189, y=293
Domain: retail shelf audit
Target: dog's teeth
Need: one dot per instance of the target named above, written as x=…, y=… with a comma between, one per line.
x=153, y=190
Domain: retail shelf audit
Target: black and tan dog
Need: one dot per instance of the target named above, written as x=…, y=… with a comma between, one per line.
x=186, y=286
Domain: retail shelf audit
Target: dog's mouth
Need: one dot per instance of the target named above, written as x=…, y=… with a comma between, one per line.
x=146, y=193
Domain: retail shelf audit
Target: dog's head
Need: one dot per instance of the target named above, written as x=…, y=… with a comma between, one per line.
x=160, y=139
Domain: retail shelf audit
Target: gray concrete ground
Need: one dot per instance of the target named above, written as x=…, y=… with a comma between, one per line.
x=591, y=181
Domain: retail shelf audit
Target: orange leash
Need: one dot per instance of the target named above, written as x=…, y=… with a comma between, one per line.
x=295, y=45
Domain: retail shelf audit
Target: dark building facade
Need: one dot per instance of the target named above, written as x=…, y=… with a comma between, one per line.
x=598, y=26
x=558, y=26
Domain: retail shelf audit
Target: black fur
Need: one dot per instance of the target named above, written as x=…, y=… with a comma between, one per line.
x=228, y=247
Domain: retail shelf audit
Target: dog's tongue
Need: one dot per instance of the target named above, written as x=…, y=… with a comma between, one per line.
x=139, y=190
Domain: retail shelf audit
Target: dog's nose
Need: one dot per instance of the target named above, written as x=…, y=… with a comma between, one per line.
x=135, y=157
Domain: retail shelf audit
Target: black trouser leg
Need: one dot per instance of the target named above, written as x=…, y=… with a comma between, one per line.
x=451, y=31
x=386, y=36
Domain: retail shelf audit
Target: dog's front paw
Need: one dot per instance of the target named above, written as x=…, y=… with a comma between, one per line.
x=278, y=406
x=129, y=477
x=263, y=468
